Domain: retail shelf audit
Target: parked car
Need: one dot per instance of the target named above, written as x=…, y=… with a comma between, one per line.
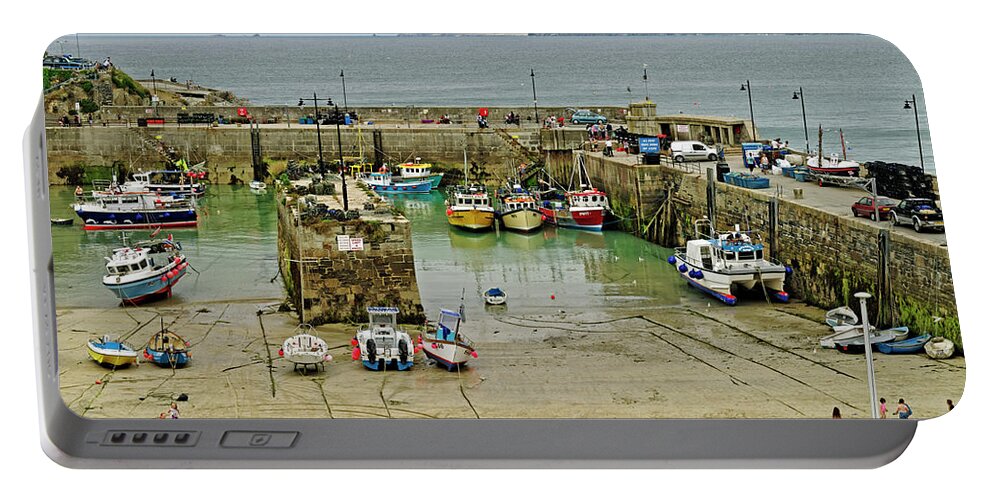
x=691, y=150
x=922, y=213
x=581, y=116
x=865, y=208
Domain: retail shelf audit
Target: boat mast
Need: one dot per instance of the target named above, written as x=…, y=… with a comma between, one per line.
x=844, y=153
x=465, y=165
x=820, y=144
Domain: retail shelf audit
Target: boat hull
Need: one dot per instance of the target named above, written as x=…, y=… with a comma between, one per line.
x=95, y=221
x=447, y=354
x=111, y=357
x=909, y=346
x=149, y=288
x=720, y=285
x=383, y=364
x=472, y=220
x=586, y=219
x=522, y=220
x=167, y=359
x=434, y=179
x=403, y=187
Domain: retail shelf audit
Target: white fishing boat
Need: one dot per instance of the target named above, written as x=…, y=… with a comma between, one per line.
x=495, y=296
x=720, y=264
x=840, y=316
x=853, y=332
x=305, y=349
x=447, y=346
x=382, y=343
x=148, y=270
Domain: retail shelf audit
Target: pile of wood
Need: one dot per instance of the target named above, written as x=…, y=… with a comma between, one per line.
x=899, y=181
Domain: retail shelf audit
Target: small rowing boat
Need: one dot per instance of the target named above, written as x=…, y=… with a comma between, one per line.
x=908, y=346
x=939, y=348
x=305, y=349
x=112, y=353
x=495, y=296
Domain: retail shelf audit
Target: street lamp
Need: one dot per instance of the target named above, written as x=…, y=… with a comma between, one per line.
x=863, y=296
x=534, y=95
x=748, y=86
x=907, y=105
x=644, y=76
x=341, y=158
x=155, y=95
x=803, y=109
x=317, y=119
x=343, y=94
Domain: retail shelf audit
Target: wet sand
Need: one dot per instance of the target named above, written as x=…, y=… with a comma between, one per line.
x=691, y=361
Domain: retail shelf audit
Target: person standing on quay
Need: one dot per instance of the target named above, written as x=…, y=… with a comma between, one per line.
x=882, y=407
x=608, y=148
x=903, y=410
x=836, y=413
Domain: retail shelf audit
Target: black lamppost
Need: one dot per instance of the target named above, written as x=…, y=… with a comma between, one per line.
x=155, y=95
x=317, y=119
x=341, y=158
x=917, y=120
x=343, y=94
x=751, y=112
x=803, y=109
x=534, y=95
x=644, y=76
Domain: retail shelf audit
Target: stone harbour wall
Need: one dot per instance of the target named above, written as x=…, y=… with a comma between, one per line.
x=337, y=286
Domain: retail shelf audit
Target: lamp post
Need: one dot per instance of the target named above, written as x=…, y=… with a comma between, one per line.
x=155, y=95
x=917, y=121
x=317, y=119
x=534, y=95
x=343, y=94
x=644, y=77
x=751, y=112
x=863, y=296
x=341, y=158
x=803, y=110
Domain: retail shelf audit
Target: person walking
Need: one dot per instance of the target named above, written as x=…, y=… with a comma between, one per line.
x=903, y=410
x=836, y=413
x=608, y=148
x=951, y=406
x=882, y=407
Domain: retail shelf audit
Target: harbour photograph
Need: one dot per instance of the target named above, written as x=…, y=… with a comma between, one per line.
x=496, y=226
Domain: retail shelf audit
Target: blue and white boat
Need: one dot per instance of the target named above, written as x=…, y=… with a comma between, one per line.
x=417, y=171
x=495, y=296
x=447, y=346
x=147, y=271
x=167, y=349
x=909, y=346
x=135, y=211
x=720, y=264
x=383, y=183
x=383, y=344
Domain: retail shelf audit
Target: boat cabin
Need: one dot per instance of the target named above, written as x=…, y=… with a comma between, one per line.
x=727, y=251
x=588, y=198
x=129, y=260
x=475, y=197
x=415, y=169
x=383, y=325
x=448, y=325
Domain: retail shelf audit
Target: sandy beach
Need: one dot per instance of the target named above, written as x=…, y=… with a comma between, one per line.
x=750, y=361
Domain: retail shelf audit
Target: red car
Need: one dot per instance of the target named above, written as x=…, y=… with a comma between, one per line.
x=864, y=207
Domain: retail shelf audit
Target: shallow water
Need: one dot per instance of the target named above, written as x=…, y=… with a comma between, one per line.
x=234, y=249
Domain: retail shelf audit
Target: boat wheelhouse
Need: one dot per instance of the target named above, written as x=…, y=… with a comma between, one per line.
x=146, y=271
x=417, y=171
x=385, y=184
x=382, y=344
x=721, y=264
x=470, y=207
x=136, y=211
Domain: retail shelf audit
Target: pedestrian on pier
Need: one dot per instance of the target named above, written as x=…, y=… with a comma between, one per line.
x=608, y=148
x=882, y=407
x=836, y=413
x=903, y=410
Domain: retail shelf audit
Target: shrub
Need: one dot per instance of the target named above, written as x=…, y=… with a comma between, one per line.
x=123, y=81
x=51, y=76
x=88, y=106
x=87, y=86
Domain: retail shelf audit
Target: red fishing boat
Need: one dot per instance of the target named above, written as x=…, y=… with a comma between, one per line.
x=582, y=208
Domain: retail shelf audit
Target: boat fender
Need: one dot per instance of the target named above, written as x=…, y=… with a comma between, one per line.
x=354, y=342
x=164, y=278
x=281, y=353
x=356, y=353
x=474, y=354
x=370, y=347
x=682, y=268
x=671, y=259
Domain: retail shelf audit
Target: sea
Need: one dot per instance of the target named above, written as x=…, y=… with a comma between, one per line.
x=857, y=84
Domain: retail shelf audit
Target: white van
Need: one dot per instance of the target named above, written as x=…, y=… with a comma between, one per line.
x=692, y=150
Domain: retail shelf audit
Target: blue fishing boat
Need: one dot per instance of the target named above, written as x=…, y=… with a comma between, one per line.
x=495, y=296
x=167, y=349
x=909, y=346
x=146, y=271
x=135, y=211
x=417, y=171
x=383, y=183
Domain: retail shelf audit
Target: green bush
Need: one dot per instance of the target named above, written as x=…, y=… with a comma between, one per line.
x=121, y=80
x=87, y=86
x=88, y=106
x=51, y=76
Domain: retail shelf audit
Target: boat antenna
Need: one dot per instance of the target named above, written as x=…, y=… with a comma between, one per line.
x=844, y=153
x=461, y=310
x=820, y=143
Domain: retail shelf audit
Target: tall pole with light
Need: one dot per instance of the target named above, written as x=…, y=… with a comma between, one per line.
x=534, y=96
x=644, y=76
x=343, y=94
x=803, y=110
x=917, y=120
x=751, y=112
x=341, y=158
x=155, y=95
x=863, y=296
x=317, y=119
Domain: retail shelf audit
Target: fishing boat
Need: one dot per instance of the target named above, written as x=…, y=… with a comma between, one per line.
x=167, y=349
x=939, y=348
x=305, y=349
x=907, y=346
x=146, y=271
x=584, y=207
x=417, y=171
x=447, y=346
x=384, y=183
x=856, y=332
x=172, y=182
x=257, y=187
x=113, y=353
x=720, y=264
x=495, y=296
x=382, y=343
x=857, y=345
x=469, y=205
x=519, y=210
x=136, y=211
x=833, y=165
x=840, y=316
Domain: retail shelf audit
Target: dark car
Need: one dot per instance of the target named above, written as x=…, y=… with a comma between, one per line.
x=586, y=116
x=922, y=213
x=865, y=208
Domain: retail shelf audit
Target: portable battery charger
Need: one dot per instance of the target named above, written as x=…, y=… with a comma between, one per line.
x=482, y=261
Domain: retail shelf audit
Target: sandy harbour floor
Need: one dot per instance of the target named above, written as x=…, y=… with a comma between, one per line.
x=750, y=361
